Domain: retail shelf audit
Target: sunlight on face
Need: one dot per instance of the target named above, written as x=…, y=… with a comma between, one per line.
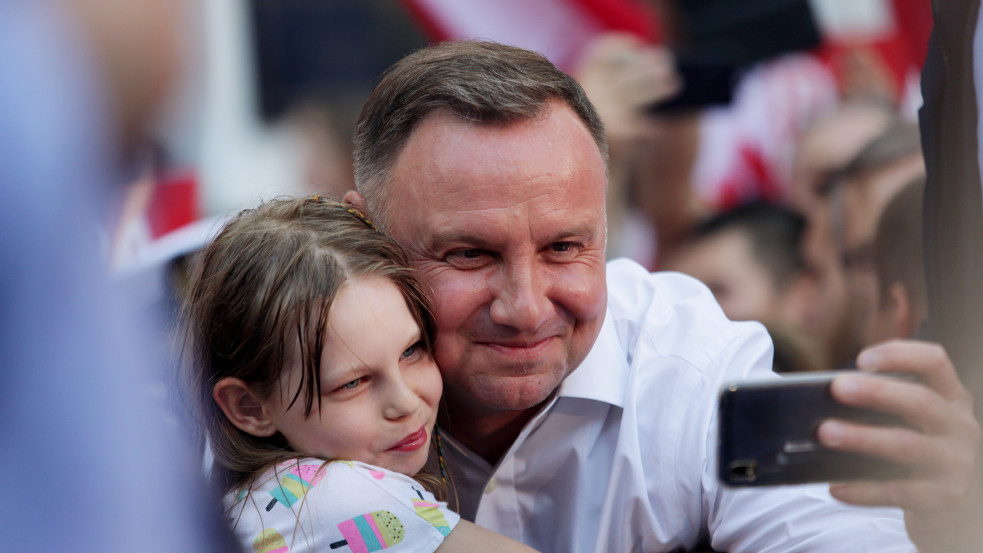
x=507, y=226
x=379, y=388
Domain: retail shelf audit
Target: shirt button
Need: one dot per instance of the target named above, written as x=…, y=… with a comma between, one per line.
x=492, y=484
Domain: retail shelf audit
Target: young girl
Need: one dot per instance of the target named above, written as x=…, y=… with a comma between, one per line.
x=308, y=355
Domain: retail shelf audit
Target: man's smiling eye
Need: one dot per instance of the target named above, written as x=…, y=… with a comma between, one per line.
x=470, y=258
x=561, y=251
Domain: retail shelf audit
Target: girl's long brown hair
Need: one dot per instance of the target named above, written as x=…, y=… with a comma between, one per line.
x=264, y=286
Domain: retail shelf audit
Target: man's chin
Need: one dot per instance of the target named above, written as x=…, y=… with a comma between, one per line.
x=510, y=393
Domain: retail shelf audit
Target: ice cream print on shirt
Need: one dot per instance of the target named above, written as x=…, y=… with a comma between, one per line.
x=309, y=505
x=430, y=512
x=370, y=532
x=295, y=484
x=270, y=541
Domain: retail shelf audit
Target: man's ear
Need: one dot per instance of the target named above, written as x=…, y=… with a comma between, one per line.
x=902, y=316
x=354, y=199
x=243, y=407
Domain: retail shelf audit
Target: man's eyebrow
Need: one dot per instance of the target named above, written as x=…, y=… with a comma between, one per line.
x=441, y=237
x=584, y=229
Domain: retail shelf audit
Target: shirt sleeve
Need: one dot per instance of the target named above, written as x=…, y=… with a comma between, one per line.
x=339, y=506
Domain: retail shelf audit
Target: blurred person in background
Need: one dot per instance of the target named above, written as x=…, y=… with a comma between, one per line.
x=751, y=259
x=900, y=306
x=827, y=146
x=684, y=144
x=623, y=76
x=860, y=193
x=670, y=169
x=93, y=456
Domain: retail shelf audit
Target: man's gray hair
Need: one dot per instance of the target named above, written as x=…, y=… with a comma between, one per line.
x=479, y=82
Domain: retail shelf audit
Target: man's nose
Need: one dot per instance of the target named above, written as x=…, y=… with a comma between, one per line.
x=521, y=300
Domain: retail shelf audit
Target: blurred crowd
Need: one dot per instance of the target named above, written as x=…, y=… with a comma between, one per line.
x=798, y=202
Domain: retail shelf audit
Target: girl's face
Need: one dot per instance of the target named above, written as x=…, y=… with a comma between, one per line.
x=379, y=388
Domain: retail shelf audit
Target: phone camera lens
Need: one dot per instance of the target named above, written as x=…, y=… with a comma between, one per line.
x=744, y=471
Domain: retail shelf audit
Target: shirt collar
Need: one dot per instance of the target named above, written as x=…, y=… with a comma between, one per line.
x=603, y=375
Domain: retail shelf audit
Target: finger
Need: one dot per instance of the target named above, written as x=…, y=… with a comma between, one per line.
x=935, y=457
x=928, y=361
x=907, y=494
x=898, y=445
x=919, y=406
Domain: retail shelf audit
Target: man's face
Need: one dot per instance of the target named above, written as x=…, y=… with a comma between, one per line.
x=507, y=225
x=864, y=199
x=824, y=149
x=725, y=263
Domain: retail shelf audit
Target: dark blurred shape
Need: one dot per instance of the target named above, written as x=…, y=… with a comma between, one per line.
x=310, y=50
x=717, y=39
x=744, y=32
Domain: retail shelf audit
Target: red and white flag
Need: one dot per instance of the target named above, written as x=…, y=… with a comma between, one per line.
x=558, y=29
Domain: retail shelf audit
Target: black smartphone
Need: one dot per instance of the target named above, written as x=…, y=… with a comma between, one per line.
x=767, y=433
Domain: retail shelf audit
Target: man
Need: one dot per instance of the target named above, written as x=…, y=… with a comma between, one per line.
x=900, y=306
x=860, y=194
x=751, y=259
x=580, y=413
x=825, y=149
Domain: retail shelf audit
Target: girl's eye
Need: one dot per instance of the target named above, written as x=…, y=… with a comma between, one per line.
x=352, y=385
x=411, y=351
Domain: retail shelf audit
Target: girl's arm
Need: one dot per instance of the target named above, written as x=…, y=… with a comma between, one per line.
x=467, y=537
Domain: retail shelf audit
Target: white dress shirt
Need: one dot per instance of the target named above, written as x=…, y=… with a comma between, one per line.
x=623, y=456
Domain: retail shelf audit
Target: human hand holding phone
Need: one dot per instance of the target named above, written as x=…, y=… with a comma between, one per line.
x=942, y=444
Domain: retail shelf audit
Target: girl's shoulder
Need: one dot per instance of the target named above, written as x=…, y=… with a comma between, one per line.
x=315, y=500
x=311, y=472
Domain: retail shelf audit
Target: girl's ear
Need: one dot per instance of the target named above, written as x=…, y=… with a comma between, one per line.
x=243, y=407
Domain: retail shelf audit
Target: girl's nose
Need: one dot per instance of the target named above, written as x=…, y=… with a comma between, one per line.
x=401, y=401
